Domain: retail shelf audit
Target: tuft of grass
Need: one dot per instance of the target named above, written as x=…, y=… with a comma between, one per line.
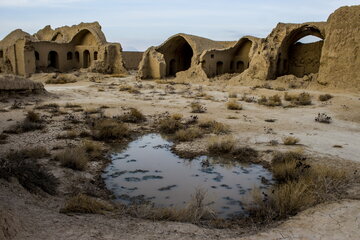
x=82, y=203
x=221, y=145
x=93, y=149
x=133, y=116
x=26, y=125
x=244, y=154
x=232, y=95
x=188, y=134
x=213, y=126
x=301, y=99
x=177, y=116
x=233, y=105
x=29, y=174
x=110, y=129
x=325, y=97
x=60, y=80
x=74, y=158
x=169, y=125
x=271, y=101
x=299, y=185
x=197, y=108
x=33, y=116
x=290, y=140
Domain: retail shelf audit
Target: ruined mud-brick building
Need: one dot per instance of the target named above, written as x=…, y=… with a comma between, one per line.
x=62, y=49
x=332, y=60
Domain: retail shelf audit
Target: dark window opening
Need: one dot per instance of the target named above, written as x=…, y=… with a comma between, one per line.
x=95, y=55
x=37, y=56
x=212, y=55
x=219, y=68
x=69, y=56
x=77, y=56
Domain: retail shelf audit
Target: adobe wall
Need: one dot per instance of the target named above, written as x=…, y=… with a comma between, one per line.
x=132, y=59
x=340, y=61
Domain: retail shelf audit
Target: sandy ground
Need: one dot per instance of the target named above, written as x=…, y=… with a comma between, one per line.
x=36, y=220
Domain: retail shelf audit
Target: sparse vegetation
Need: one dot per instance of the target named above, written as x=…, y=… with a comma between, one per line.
x=74, y=158
x=196, y=107
x=271, y=101
x=169, y=125
x=325, y=97
x=177, y=116
x=60, y=80
x=213, y=126
x=29, y=174
x=233, y=105
x=301, y=99
x=188, y=134
x=221, y=145
x=93, y=149
x=299, y=185
x=32, y=122
x=110, y=129
x=323, y=118
x=71, y=105
x=290, y=140
x=70, y=134
x=232, y=95
x=82, y=203
x=133, y=116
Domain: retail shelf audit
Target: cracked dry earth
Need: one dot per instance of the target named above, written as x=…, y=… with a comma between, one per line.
x=30, y=216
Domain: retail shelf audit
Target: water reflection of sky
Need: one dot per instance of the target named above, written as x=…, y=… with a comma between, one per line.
x=148, y=170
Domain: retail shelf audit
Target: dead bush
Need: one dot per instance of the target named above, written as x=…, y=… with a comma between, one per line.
x=325, y=97
x=244, y=154
x=290, y=140
x=33, y=116
x=323, y=118
x=61, y=79
x=221, y=145
x=197, y=108
x=233, y=105
x=82, y=203
x=29, y=174
x=110, y=129
x=271, y=101
x=25, y=126
x=74, y=158
x=212, y=126
x=301, y=99
x=71, y=134
x=177, y=116
x=169, y=125
x=188, y=134
x=93, y=149
x=133, y=116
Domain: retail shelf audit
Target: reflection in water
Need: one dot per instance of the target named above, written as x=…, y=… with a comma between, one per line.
x=148, y=171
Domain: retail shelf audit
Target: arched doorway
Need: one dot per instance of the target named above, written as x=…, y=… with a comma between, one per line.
x=178, y=55
x=300, y=52
x=86, y=59
x=53, y=60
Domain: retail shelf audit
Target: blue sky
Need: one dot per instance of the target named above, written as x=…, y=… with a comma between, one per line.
x=138, y=24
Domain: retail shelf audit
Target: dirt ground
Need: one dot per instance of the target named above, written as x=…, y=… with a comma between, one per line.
x=31, y=216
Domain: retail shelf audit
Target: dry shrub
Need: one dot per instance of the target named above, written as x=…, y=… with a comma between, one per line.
x=195, y=211
x=33, y=116
x=93, y=149
x=301, y=99
x=177, y=116
x=71, y=134
x=25, y=126
x=299, y=186
x=110, y=129
x=61, y=79
x=232, y=95
x=133, y=116
x=325, y=97
x=289, y=140
x=48, y=106
x=221, y=145
x=188, y=134
x=74, y=158
x=244, y=154
x=169, y=125
x=233, y=105
x=71, y=105
x=3, y=138
x=323, y=118
x=197, y=108
x=29, y=174
x=213, y=126
x=271, y=101
x=84, y=204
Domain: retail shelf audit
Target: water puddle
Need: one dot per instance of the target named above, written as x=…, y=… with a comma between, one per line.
x=148, y=171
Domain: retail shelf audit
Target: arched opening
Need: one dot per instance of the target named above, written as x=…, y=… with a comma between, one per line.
x=69, y=56
x=219, y=68
x=77, y=56
x=37, y=56
x=53, y=60
x=241, y=55
x=86, y=59
x=300, y=53
x=84, y=38
x=95, y=55
x=178, y=55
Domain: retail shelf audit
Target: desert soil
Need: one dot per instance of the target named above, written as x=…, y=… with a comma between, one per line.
x=36, y=216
